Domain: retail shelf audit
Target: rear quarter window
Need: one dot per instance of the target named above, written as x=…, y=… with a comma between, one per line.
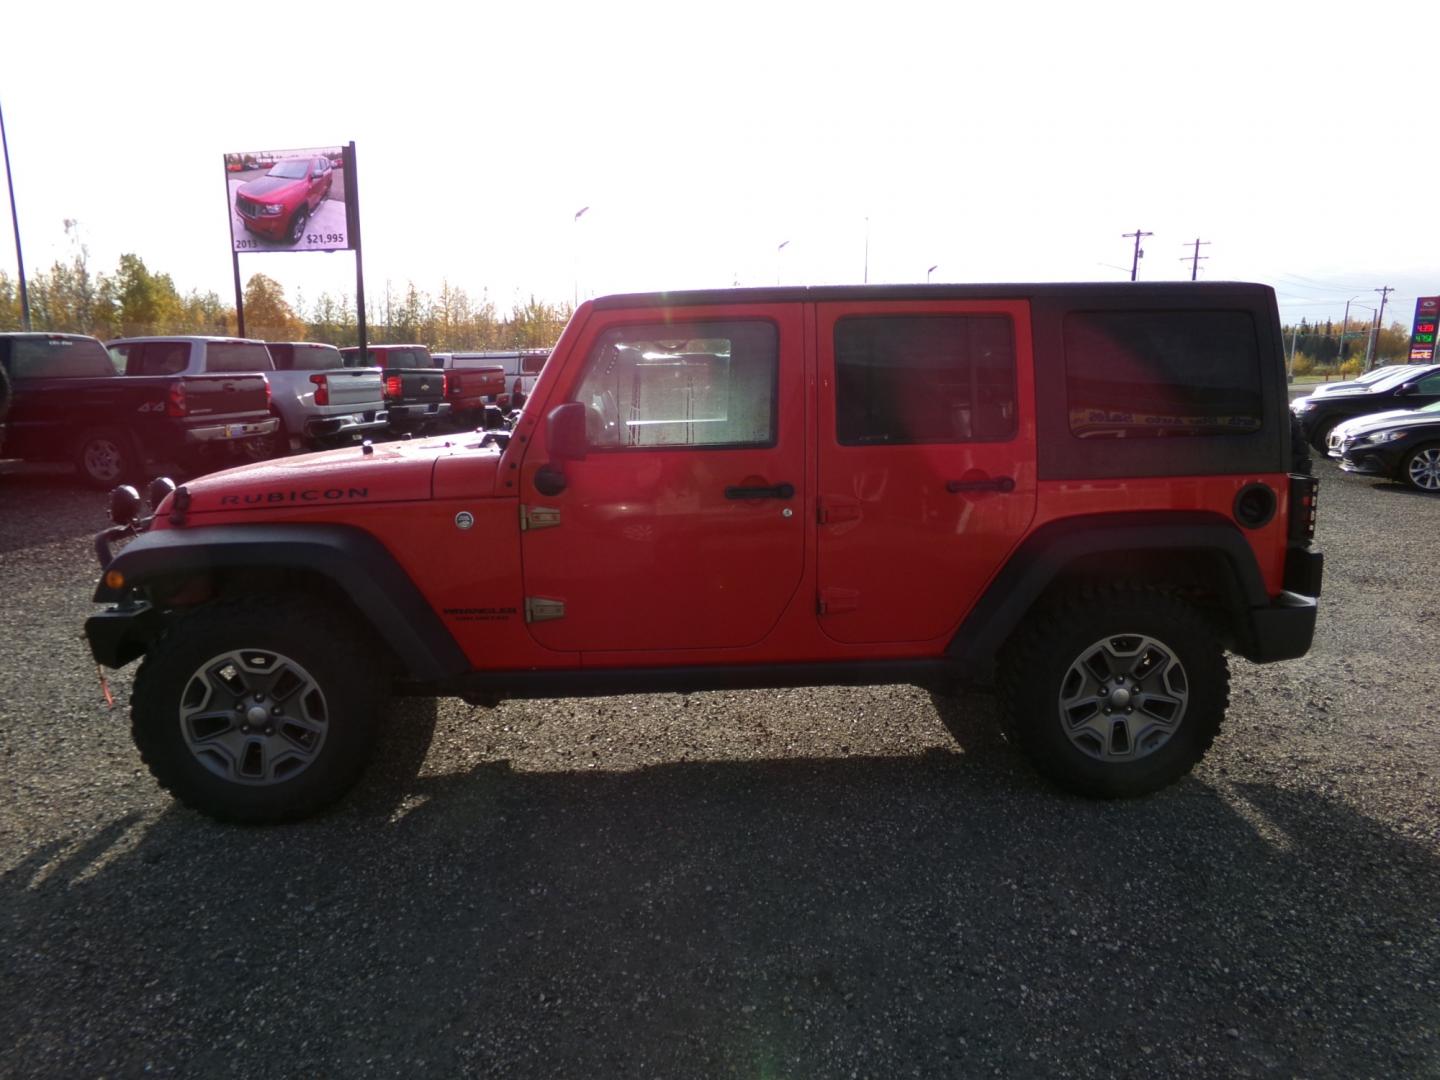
x=1162, y=374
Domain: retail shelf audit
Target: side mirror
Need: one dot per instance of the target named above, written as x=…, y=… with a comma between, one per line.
x=565, y=432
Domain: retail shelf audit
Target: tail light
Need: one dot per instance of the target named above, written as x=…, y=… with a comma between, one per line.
x=445, y=384
x=1304, y=491
x=322, y=389
x=392, y=387
x=516, y=389
x=175, y=404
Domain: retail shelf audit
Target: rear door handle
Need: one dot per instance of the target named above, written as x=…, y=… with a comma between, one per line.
x=999, y=483
x=779, y=491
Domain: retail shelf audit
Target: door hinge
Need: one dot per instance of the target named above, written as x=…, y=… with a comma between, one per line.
x=833, y=601
x=538, y=517
x=832, y=511
x=541, y=609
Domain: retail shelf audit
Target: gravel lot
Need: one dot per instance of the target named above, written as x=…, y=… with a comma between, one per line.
x=828, y=883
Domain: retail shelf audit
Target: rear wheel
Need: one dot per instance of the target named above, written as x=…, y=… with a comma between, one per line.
x=257, y=710
x=1421, y=469
x=1116, y=691
x=106, y=457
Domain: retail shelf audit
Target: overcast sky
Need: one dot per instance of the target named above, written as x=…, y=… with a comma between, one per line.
x=995, y=142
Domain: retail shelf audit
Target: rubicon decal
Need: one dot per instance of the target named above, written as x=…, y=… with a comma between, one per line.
x=271, y=498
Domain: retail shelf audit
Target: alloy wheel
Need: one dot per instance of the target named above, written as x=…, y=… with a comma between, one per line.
x=1123, y=697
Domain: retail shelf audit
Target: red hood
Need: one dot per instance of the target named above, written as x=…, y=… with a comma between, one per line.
x=269, y=186
x=392, y=472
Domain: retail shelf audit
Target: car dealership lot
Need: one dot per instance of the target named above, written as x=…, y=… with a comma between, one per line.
x=782, y=883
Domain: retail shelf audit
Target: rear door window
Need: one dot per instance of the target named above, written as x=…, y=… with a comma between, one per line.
x=924, y=379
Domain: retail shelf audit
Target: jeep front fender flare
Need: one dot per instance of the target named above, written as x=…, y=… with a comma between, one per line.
x=350, y=558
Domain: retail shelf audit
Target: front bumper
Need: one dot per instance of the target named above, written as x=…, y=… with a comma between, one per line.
x=121, y=634
x=1370, y=459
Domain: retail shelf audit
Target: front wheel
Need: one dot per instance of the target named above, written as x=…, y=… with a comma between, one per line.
x=1116, y=691
x=1421, y=469
x=297, y=224
x=257, y=710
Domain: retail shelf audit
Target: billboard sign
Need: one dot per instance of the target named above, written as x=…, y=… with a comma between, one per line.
x=288, y=200
x=1422, y=332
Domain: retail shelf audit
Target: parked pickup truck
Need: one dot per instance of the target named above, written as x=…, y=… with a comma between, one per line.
x=321, y=402
x=471, y=383
x=414, y=384
x=71, y=403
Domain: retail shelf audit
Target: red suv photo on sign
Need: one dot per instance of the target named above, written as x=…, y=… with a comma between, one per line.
x=287, y=200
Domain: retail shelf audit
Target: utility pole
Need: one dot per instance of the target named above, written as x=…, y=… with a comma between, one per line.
x=1135, y=261
x=15, y=222
x=1195, y=259
x=1384, y=291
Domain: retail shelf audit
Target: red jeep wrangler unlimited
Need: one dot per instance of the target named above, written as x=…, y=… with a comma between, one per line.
x=1082, y=494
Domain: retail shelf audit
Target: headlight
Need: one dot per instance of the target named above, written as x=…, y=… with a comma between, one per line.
x=1388, y=436
x=1303, y=405
x=272, y=209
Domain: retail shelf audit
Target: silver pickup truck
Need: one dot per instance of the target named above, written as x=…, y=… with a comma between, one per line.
x=330, y=404
x=318, y=400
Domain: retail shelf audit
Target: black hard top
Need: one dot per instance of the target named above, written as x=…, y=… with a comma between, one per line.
x=1107, y=293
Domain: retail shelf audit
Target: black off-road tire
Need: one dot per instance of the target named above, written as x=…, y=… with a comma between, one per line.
x=1043, y=673
x=106, y=457
x=341, y=690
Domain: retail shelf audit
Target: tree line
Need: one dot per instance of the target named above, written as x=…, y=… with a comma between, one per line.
x=133, y=300
x=1329, y=347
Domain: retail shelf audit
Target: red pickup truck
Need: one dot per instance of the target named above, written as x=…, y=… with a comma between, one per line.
x=278, y=204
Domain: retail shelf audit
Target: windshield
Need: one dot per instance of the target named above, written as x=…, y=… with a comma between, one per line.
x=294, y=169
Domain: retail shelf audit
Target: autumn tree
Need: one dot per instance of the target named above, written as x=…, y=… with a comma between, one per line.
x=268, y=315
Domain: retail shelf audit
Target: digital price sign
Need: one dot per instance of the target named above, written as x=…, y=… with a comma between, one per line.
x=1422, y=334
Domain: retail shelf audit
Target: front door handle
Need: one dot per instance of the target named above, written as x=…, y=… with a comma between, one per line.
x=779, y=491
x=999, y=483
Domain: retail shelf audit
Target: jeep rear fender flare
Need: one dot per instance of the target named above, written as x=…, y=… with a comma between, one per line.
x=350, y=558
x=1046, y=555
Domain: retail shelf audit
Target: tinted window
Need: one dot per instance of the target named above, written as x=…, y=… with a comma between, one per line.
x=58, y=358
x=157, y=357
x=306, y=357
x=695, y=384
x=924, y=379
x=1154, y=374
x=409, y=358
x=232, y=356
